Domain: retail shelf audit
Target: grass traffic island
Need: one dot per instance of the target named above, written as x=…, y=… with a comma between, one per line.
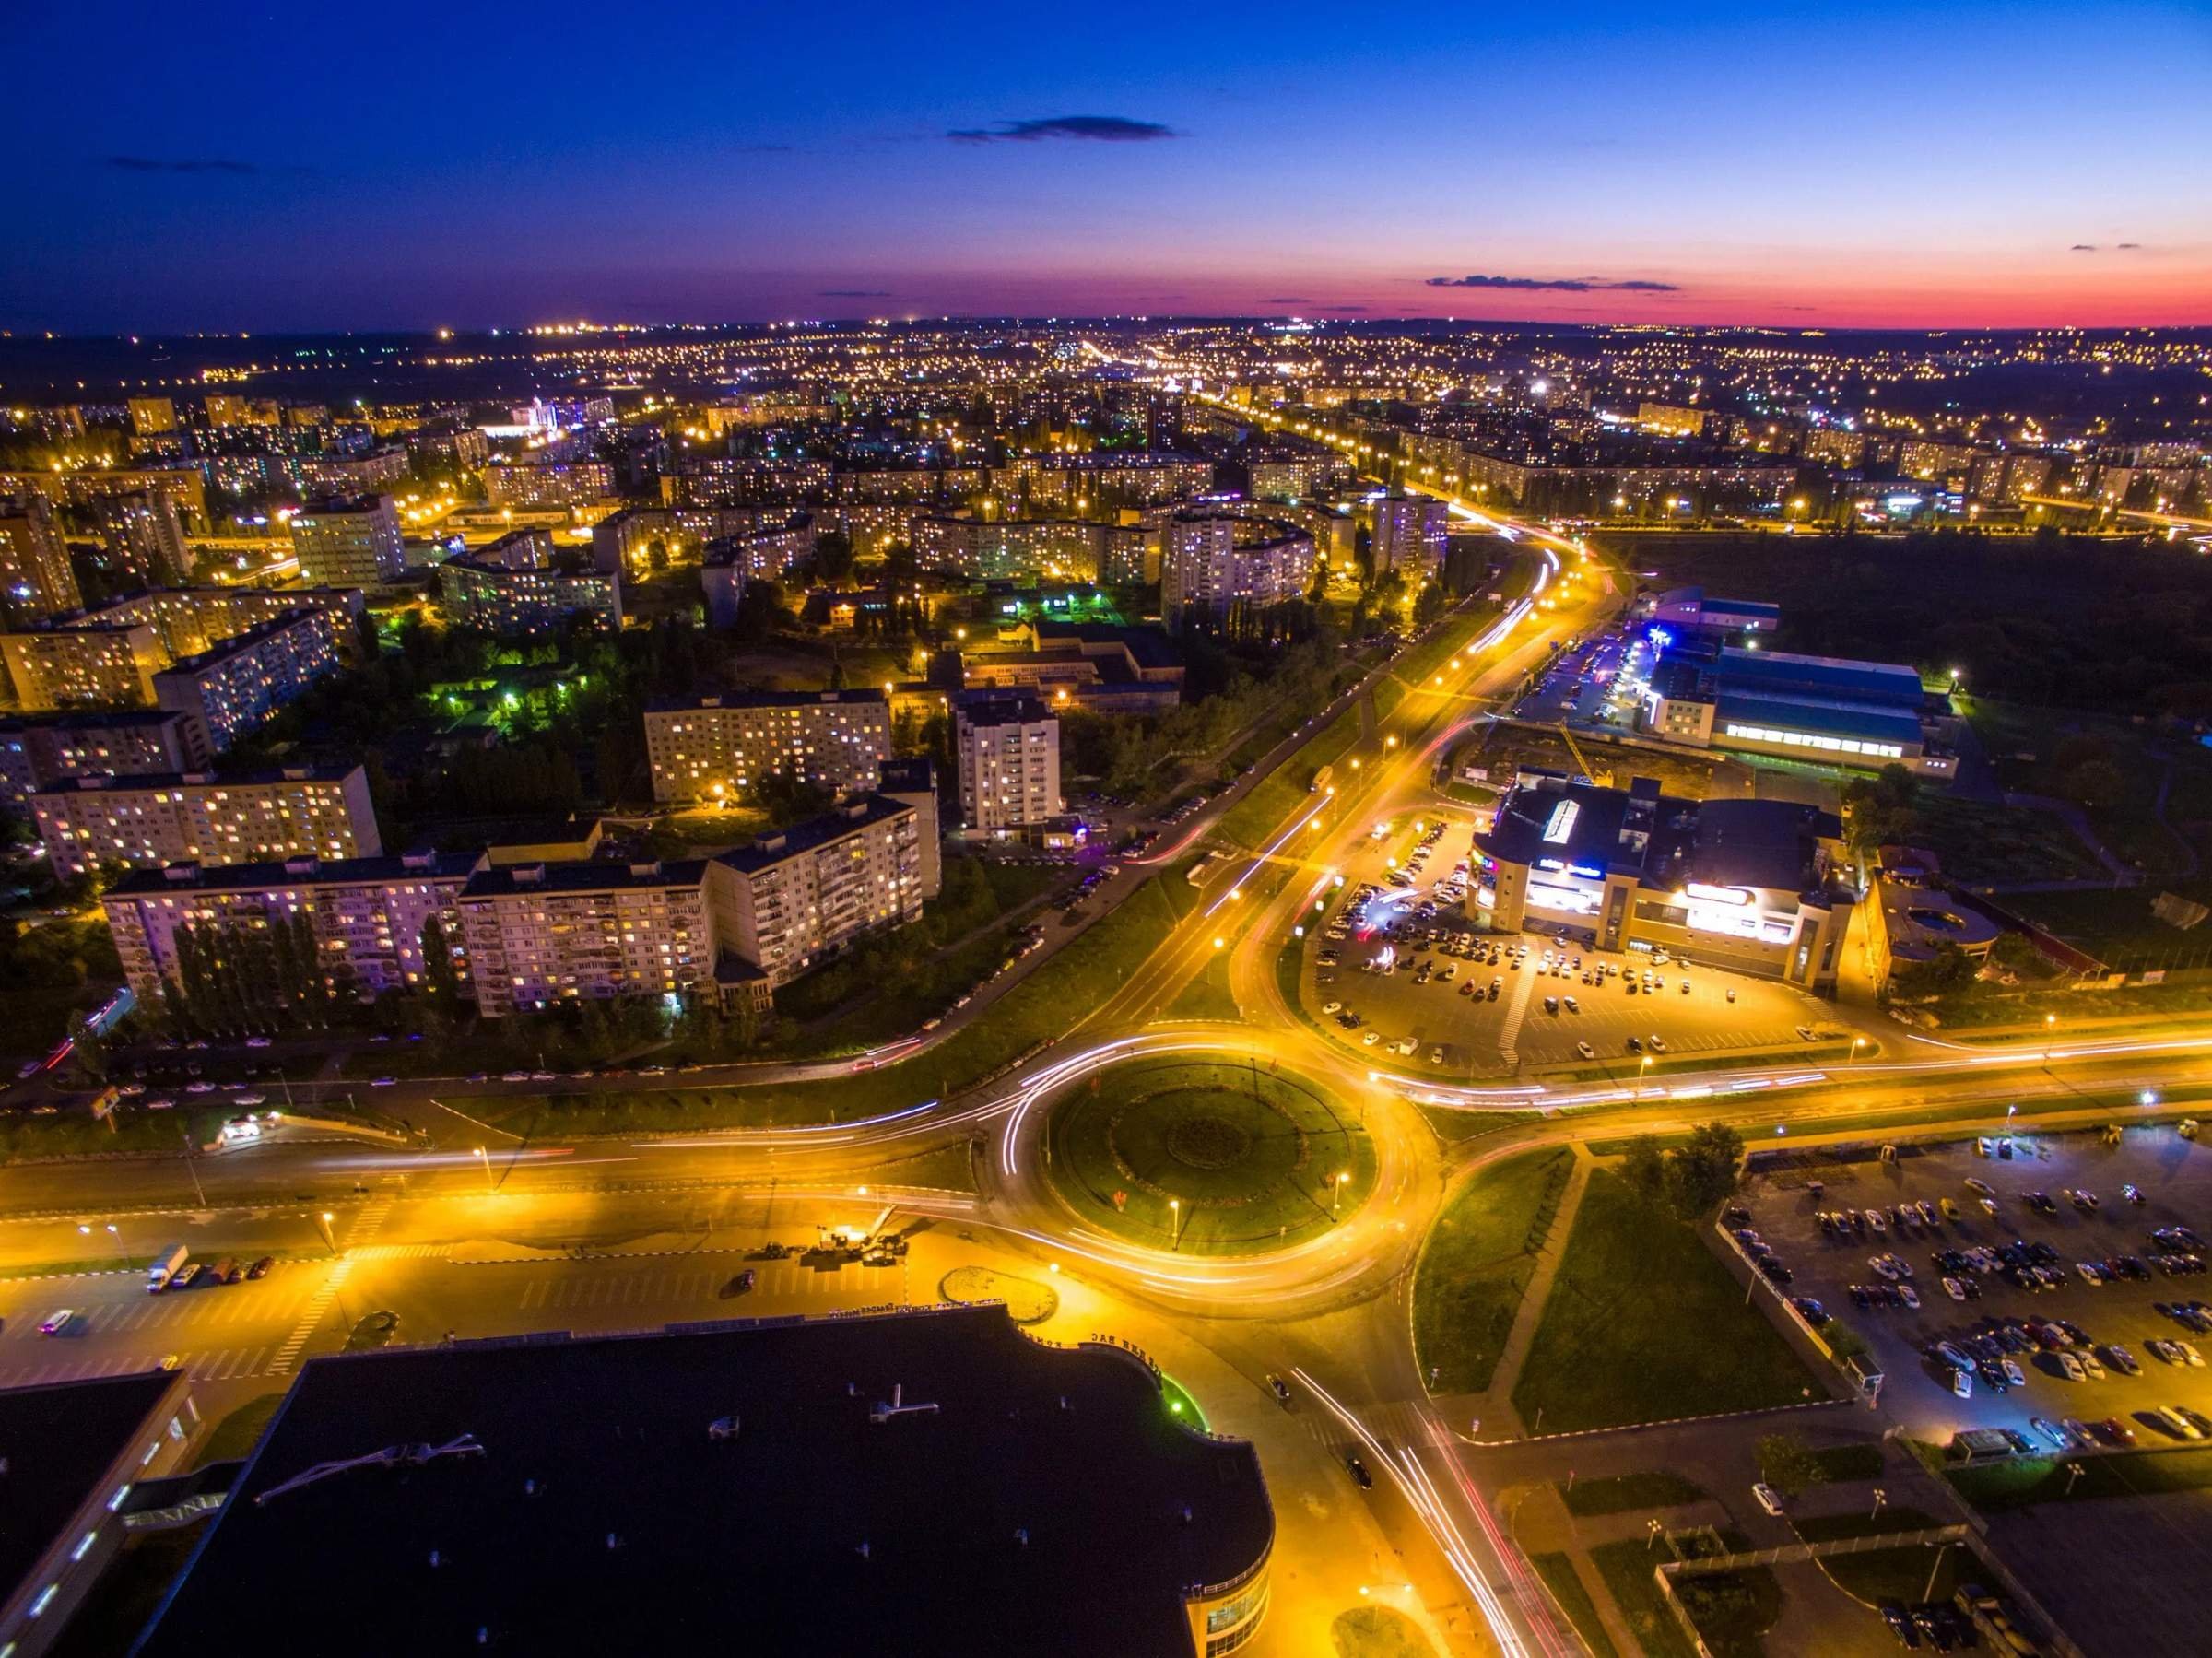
x=1644, y=1324
x=1027, y=1301
x=1477, y=1266
x=1207, y=1157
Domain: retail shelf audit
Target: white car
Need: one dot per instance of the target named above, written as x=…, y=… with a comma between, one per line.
x=1768, y=1498
x=56, y=1322
x=1332, y=1007
x=2070, y=1365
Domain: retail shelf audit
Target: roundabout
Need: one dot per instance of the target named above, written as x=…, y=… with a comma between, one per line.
x=1207, y=1157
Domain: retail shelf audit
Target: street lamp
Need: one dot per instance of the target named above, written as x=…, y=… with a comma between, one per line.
x=485, y=1157
x=329, y=1237
x=1337, y=1197
x=1856, y=1043
x=1175, y=1222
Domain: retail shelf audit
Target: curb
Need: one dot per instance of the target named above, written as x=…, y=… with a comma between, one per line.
x=1718, y=1416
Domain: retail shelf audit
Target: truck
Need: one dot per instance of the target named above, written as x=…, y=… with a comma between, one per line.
x=1320, y=780
x=165, y=1267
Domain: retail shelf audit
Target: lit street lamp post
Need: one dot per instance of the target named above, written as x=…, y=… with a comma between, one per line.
x=329, y=1237
x=1175, y=1222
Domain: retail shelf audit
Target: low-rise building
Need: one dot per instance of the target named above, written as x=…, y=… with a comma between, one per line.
x=791, y=900
x=235, y=687
x=719, y=747
x=516, y=587
x=1753, y=886
x=1864, y=715
x=1008, y=751
x=366, y=916
x=90, y=824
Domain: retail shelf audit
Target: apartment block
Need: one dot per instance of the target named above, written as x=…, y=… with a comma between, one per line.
x=1210, y=562
x=1008, y=748
x=144, y=535
x=547, y=483
x=540, y=934
x=515, y=587
x=107, y=823
x=82, y=665
x=350, y=541
x=191, y=620
x=782, y=904
x=235, y=686
x=716, y=747
x=368, y=914
x=35, y=576
x=1409, y=534
x=126, y=742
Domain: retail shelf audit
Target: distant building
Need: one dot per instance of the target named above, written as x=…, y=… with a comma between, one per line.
x=74, y=1453
x=1750, y=884
x=569, y=484
x=924, y=1481
x=1690, y=611
x=515, y=587
x=35, y=576
x=1672, y=419
x=234, y=688
x=1409, y=534
x=1211, y=561
x=351, y=541
x=367, y=915
x=1008, y=751
x=123, y=743
x=719, y=748
x=90, y=824
x=783, y=903
x=1059, y=549
x=144, y=536
x=768, y=553
x=151, y=416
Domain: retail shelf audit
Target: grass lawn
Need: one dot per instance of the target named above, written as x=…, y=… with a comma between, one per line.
x=1477, y=1264
x=236, y=1435
x=1653, y=1488
x=1251, y=1157
x=1027, y=1301
x=1981, y=841
x=941, y=1167
x=1082, y=976
x=1733, y=1609
x=1460, y=1128
x=2025, y=1481
x=1841, y=1462
x=1626, y=1566
x=1901, y=1574
x=1644, y=1324
x=1378, y=1633
x=1565, y=1584
x=76, y=1132
x=1208, y=996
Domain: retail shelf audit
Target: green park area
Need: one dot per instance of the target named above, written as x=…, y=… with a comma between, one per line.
x=2024, y=1482
x=1557, y=1569
x=1207, y=1158
x=1477, y=1264
x=1644, y=1324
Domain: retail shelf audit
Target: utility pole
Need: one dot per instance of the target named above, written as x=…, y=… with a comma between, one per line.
x=192, y=1169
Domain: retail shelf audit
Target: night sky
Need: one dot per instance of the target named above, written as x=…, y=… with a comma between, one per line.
x=309, y=166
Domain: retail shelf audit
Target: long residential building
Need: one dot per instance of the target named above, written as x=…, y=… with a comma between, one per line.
x=542, y=935
x=192, y=619
x=84, y=664
x=235, y=687
x=719, y=747
x=513, y=587
x=1056, y=548
x=125, y=743
x=547, y=483
x=90, y=824
x=1008, y=750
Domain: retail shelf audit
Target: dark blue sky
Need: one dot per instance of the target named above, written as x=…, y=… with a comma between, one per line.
x=225, y=166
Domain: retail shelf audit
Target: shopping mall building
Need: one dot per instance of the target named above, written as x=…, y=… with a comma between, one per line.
x=1754, y=886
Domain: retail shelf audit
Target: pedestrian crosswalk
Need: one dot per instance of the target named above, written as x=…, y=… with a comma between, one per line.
x=311, y=1315
x=402, y=1251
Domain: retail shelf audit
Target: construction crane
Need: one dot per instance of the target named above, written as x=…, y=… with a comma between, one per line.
x=1582, y=763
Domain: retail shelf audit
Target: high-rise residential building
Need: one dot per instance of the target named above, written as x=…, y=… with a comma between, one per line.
x=783, y=903
x=721, y=747
x=515, y=587
x=191, y=620
x=235, y=687
x=85, y=485
x=124, y=743
x=913, y=782
x=144, y=536
x=95, y=823
x=1061, y=549
x=151, y=416
x=88, y=663
x=1409, y=534
x=367, y=915
x=1008, y=748
x=544, y=934
x=350, y=541
x=35, y=576
x=730, y=561
x=1210, y=561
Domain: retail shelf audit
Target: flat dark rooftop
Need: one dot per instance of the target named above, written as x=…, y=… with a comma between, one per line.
x=751, y=1544
x=58, y=1440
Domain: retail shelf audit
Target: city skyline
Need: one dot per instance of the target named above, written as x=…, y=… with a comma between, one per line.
x=1842, y=169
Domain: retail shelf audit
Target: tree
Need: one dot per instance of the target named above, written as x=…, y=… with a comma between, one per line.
x=439, y=981
x=1787, y=1463
x=1644, y=1167
x=832, y=557
x=1878, y=810
x=1704, y=1171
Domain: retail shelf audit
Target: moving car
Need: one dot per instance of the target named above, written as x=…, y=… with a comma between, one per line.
x=57, y=1322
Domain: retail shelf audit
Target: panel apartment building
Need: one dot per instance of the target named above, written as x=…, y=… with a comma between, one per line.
x=35, y=576
x=350, y=541
x=1008, y=747
x=128, y=743
x=235, y=687
x=106, y=823
x=513, y=588
x=716, y=747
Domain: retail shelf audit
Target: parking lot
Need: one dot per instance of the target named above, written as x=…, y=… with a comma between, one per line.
x=1476, y=1033
x=2009, y=1322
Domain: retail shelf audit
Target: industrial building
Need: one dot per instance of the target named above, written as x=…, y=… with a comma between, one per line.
x=1821, y=709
